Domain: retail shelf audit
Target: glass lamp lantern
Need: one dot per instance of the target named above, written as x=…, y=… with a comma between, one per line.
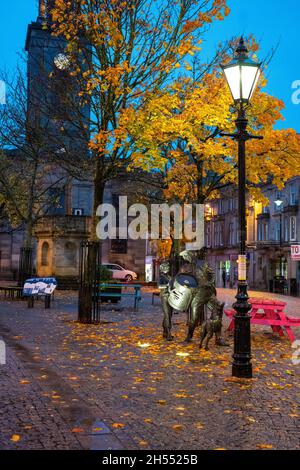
x=278, y=202
x=242, y=75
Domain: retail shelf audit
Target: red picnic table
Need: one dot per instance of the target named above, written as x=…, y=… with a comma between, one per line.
x=269, y=312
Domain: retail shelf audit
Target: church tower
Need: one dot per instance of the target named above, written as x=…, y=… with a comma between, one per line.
x=50, y=85
x=45, y=7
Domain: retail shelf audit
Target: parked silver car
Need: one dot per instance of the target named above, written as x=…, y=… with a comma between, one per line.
x=118, y=272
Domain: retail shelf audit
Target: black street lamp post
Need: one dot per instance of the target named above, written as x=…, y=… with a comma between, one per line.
x=242, y=75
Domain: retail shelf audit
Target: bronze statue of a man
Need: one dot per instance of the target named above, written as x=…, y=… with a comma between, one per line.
x=190, y=290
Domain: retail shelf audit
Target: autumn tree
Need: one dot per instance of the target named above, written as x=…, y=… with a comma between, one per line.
x=178, y=133
x=120, y=52
x=31, y=183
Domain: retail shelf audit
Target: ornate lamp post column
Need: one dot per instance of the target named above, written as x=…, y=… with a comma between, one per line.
x=242, y=75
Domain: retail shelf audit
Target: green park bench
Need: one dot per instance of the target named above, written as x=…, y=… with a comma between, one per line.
x=136, y=294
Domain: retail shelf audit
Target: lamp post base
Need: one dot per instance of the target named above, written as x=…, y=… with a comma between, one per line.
x=241, y=370
x=241, y=366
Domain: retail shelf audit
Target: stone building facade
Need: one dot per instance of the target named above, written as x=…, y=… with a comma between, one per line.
x=271, y=230
x=59, y=235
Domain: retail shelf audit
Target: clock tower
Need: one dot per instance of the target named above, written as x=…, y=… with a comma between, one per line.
x=52, y=110
x=51, y=91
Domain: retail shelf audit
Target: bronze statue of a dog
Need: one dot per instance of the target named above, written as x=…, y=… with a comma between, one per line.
x=212, y=324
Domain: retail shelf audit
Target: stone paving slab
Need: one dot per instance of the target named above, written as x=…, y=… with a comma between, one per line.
x=119, y=385
x=28, y=419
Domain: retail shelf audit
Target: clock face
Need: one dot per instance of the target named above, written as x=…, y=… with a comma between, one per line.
x=62, y=61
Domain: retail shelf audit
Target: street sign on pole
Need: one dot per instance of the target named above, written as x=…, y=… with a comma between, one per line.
x=295, y=252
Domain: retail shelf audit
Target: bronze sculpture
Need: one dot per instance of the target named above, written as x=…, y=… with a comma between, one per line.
x=213, y=324
x=165, y=287
x=190, y=290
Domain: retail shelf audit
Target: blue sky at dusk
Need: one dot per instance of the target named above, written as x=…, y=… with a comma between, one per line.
x=271, y=21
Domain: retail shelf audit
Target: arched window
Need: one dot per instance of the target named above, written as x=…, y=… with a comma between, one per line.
x=70, y=254
x=45, y=254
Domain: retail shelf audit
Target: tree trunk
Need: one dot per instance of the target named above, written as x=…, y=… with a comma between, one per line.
x=175, y=258
x=26, y=255
x=91, y=259
x=28, y=234
x=99, y=186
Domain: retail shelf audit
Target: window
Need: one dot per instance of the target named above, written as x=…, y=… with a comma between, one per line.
x=56, y=198
x=70, y=253
x=266, y=231
x=221, y=235
x=220, y=204
x=208, y=236
x=216, y=234
x=277, y=232
x=293, y=194
x=293, y=229
x=286, y=229
x=259, y=231
x=231, y=204
x=263, y=231
x=215, y=208
x=82, y=198
x=231, y=234
x=224, y=205
x=265, y=210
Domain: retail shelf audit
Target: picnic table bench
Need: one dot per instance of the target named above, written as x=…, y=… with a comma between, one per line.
x=269, y=312
x=136, y=293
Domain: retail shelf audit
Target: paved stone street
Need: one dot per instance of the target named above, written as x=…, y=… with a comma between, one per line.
x=118, y=385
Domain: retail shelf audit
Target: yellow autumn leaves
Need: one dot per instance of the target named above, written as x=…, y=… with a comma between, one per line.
x=176, y=132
